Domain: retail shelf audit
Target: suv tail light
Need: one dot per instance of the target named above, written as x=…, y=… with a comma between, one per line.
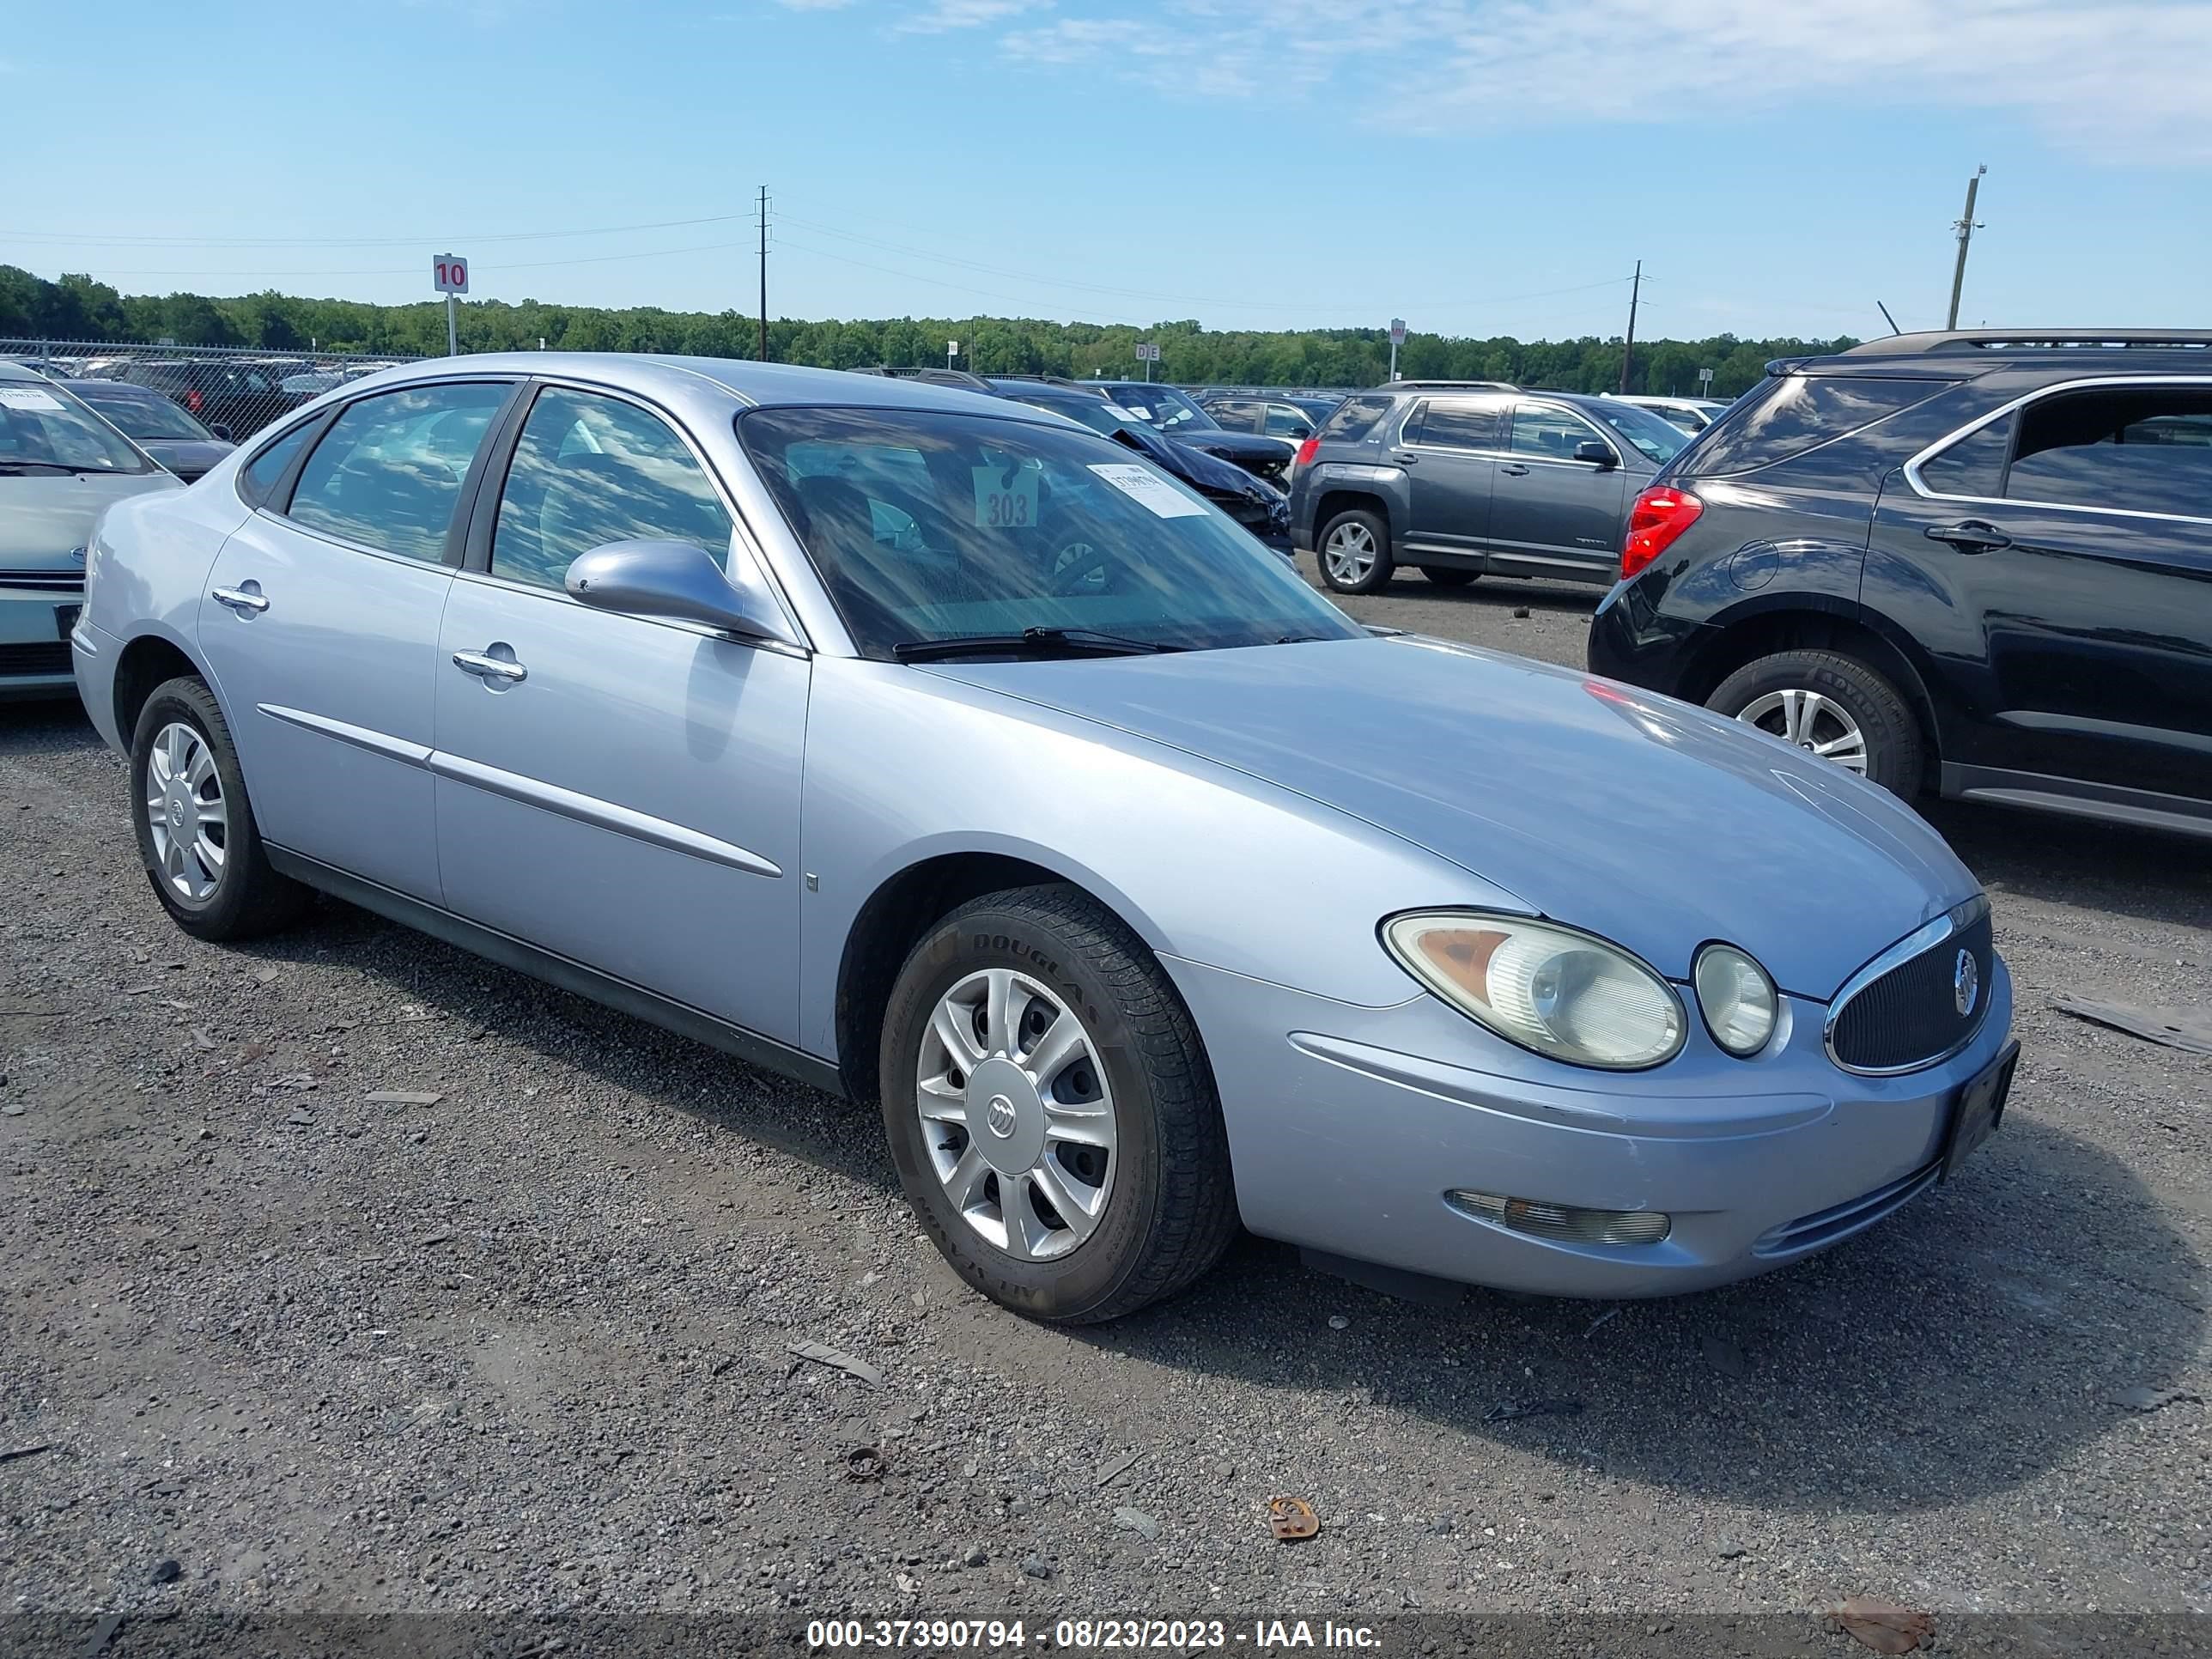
x=193, y=401
x=1306, y=451
x=1660, y=514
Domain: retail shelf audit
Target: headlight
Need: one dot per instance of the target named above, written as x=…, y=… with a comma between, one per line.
x=1562, y=993
x=1736, y=998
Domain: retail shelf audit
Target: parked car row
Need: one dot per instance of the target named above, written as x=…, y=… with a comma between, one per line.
x=236, y=391
x=947, y=753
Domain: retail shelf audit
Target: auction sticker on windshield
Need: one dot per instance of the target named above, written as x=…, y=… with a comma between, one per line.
x=28, y=397
x=1006, y=497
x=1151, y=489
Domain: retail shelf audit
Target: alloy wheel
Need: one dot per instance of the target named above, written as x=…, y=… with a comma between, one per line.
x=1017, y=1115
x=1817, y=724
x=1350, y=553
x=184, y=807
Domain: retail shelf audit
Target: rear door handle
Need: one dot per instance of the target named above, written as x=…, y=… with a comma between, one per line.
x=485, y=667
x=246, y=601
x=1406, y=460
x=1970, y=536
x=1514, y=469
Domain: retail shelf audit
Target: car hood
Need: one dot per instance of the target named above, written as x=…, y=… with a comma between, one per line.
x=187, y=458
x=1235, y=446
x=1644, y=820
x=44, y=516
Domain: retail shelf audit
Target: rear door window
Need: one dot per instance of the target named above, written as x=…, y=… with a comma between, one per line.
x=1793, y=413
x=1460, y=426
x=387, y=474
x=2144, y=449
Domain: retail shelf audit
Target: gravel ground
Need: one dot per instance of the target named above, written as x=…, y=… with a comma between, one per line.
x=524, y=1348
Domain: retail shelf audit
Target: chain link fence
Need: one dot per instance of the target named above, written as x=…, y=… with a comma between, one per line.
x=233, y=390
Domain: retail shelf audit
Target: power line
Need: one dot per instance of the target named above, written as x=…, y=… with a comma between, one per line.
x=356, y=241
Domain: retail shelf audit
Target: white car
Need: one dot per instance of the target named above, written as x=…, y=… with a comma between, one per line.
x=1691, y=414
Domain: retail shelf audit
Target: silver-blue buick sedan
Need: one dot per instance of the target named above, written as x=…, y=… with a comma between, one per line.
x=940, y=752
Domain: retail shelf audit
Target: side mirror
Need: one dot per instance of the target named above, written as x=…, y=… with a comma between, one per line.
x=1599, y=454
x=221, y=430
x=680, y=580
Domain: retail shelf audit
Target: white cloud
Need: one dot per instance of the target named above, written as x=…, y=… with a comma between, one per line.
x=946, y=15
x=2116, y=79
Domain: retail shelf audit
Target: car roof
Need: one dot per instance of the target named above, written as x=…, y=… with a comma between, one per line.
x=13, y=371
x=762, y=384
x=1951, y=352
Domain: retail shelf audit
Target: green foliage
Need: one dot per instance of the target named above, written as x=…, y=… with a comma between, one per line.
x=79, y=308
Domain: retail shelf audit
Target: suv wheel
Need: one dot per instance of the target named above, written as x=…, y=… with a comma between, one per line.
x=196, y=832
x=1831, y=706
x=1355, y=551
x=1051, y=1111
x=1443, y=578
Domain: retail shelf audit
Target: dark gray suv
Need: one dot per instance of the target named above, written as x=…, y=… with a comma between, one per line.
x=1471, y=478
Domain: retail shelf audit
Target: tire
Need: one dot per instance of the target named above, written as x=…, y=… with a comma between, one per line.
x=1443, y=578
x=1352, y=525
x=1161, y=1208
x=243, y=896
x=1773, y=691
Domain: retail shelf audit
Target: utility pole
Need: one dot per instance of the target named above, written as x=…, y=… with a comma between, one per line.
x=1965, y=228
x=1628, y=354
x=763, y=262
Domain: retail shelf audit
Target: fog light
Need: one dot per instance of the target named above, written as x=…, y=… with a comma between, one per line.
x=1563, y=1221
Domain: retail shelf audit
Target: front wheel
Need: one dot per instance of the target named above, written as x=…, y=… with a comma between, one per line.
x=1050, y=1110
x=1833, y=705
x=195, y=825
x=1355, y=552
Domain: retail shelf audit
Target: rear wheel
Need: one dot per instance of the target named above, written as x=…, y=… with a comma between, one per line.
x=1051, y=1111
x=1833, y=705
x=1355, y=551
x=195, y=825
x=1443, y=578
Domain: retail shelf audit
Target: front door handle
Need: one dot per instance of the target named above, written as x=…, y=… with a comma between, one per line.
x=1514, y=469
x=246, y=601
x=1971, y=536
x=485, y=667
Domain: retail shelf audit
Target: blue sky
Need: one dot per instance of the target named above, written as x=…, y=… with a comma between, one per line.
x=1478, y=167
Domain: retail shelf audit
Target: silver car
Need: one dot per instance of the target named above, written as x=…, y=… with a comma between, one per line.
x=61, y=464
x=934, y=750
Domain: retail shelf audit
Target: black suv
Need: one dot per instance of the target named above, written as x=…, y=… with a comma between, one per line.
x=1976, y=561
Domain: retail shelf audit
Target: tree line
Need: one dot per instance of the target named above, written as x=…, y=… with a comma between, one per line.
x=77, y=308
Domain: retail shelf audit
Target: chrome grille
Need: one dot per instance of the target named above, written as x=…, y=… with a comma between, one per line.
x=1901, y=1011
x=39, y=658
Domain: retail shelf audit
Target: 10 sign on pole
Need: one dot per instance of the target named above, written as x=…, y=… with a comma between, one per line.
x=449, y=275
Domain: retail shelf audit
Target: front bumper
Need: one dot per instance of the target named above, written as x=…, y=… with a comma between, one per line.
x=1348, y=1125
x=35, y=649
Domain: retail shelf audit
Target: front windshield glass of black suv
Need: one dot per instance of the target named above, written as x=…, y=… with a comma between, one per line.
x=928, y=526
x=1659, y=439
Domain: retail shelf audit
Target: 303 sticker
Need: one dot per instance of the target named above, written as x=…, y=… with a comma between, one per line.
x=1006, y=497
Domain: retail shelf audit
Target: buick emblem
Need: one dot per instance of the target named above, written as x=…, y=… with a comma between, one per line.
x=1000, y=1114
x=1966, y=983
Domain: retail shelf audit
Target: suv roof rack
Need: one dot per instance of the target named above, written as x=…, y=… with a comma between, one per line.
x=1965, y=340
x=1046, y=379
x=1447, y=385
x=954, y=377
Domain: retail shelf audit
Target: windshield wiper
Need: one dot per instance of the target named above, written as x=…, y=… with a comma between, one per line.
x=12, y=468
x=1031, y=642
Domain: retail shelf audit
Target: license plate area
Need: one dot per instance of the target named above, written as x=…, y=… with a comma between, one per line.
x=1979, y=1109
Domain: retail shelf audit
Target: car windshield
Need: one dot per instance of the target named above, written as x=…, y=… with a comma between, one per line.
x=1167, y=410
x=1094, y=412
x=140, y=417
x=44, y=429
x=1659, y=440
x=929, y=527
